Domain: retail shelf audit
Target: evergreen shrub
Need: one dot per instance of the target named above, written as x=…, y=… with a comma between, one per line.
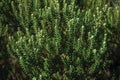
x=56, y=40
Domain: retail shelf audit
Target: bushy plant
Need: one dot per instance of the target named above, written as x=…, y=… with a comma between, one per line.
x=57, y=40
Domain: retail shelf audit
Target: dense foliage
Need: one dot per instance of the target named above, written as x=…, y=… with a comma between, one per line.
x=62, y=39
